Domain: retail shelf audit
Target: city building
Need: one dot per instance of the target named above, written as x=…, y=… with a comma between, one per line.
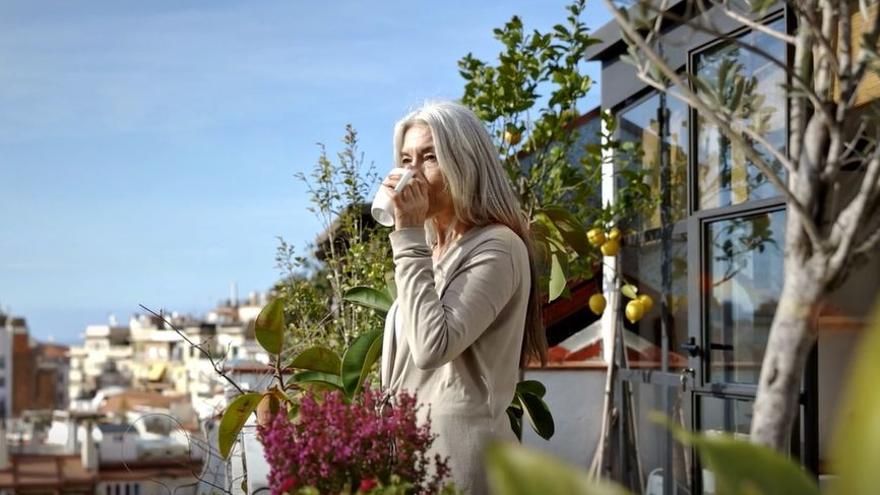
x=38, y=372
x=104, y=360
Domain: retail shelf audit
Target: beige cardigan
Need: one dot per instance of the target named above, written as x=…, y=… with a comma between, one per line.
x=461, y=322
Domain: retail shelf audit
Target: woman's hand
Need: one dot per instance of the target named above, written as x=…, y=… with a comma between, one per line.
x=411, y=203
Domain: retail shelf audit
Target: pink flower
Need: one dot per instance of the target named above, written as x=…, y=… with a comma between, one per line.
x=287, y=485
x=367, y=485
x=362, y=443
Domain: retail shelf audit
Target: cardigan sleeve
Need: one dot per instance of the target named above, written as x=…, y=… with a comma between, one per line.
x=439, y=329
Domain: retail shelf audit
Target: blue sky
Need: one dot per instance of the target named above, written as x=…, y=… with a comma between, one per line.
x=147, y=149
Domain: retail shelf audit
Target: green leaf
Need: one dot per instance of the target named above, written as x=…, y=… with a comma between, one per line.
x=761, y=6
x=557, y=277
x=370, y=298
x=538, y=414
x=318, y=358
x=570, y=229
x=630, y=291
x=358, y=359
x=514, y=414
x=743, y=467
x=533, y=387
x=856, y=445
x=515, y=470
x=331, y=380
x=269, y=327
x=234, y=418
x=390, y=286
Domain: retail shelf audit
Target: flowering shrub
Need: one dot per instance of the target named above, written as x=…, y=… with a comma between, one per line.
x=364, y=445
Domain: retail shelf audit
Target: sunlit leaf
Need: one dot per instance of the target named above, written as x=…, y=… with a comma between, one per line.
x=370, y=298
x=630, y=291
x=359, y=358
x=234, y=418
x=515, y=470
x=326, y=380
x=739, y=466
x=269, y=327
x=390, y=286
x=557, y=277
x=318, y=358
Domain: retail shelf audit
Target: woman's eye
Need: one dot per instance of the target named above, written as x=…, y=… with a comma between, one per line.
x=430, y=158
x=405, y=160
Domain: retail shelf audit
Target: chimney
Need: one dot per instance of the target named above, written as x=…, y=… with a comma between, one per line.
x=89, y=455
x=233, y=294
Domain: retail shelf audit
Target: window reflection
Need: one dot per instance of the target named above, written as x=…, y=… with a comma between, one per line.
x=726, y=177
x=643, y=257
x=744, y=279
x=640, y=124
x=642, y=267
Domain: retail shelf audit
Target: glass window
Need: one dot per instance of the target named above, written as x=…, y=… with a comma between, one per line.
x=725, y=176
x=642, y=266
x=744, y=279
x=725, y=415
x=641, y=124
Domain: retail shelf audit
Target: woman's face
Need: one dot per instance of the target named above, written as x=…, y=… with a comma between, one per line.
x=418, y=154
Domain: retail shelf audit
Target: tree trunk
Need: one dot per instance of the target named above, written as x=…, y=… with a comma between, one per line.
x=792, y=335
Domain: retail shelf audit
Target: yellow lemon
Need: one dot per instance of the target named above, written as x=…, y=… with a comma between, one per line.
x=634, y=311
x=597, y=303
x=614, y=234
x=596, y=236
x=512, y=138
x=646, y=301
x=611, y=247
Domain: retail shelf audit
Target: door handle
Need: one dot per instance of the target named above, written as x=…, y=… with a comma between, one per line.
x=691, y=347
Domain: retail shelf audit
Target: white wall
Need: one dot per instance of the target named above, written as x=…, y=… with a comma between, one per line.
x=575, y=400
x=118, y=447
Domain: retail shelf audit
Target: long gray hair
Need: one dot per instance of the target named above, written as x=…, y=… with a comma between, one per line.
x=480, y=190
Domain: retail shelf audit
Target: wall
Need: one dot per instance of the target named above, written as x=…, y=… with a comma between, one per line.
x=575, y=400
x=23, y=373
x=118, y=447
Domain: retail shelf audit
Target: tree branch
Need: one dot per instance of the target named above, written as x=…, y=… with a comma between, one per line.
x=823, y=53
x=752, y=154
x=799, y=82
x=806, y=12
x=799, y=111
x=735, y=125
x=869, y=244
x=850, y=220
x=727, y=9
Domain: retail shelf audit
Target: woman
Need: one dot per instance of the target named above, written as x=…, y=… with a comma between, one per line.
x=467, y=314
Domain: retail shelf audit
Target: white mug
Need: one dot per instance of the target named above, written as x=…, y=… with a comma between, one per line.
x=383, y=208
